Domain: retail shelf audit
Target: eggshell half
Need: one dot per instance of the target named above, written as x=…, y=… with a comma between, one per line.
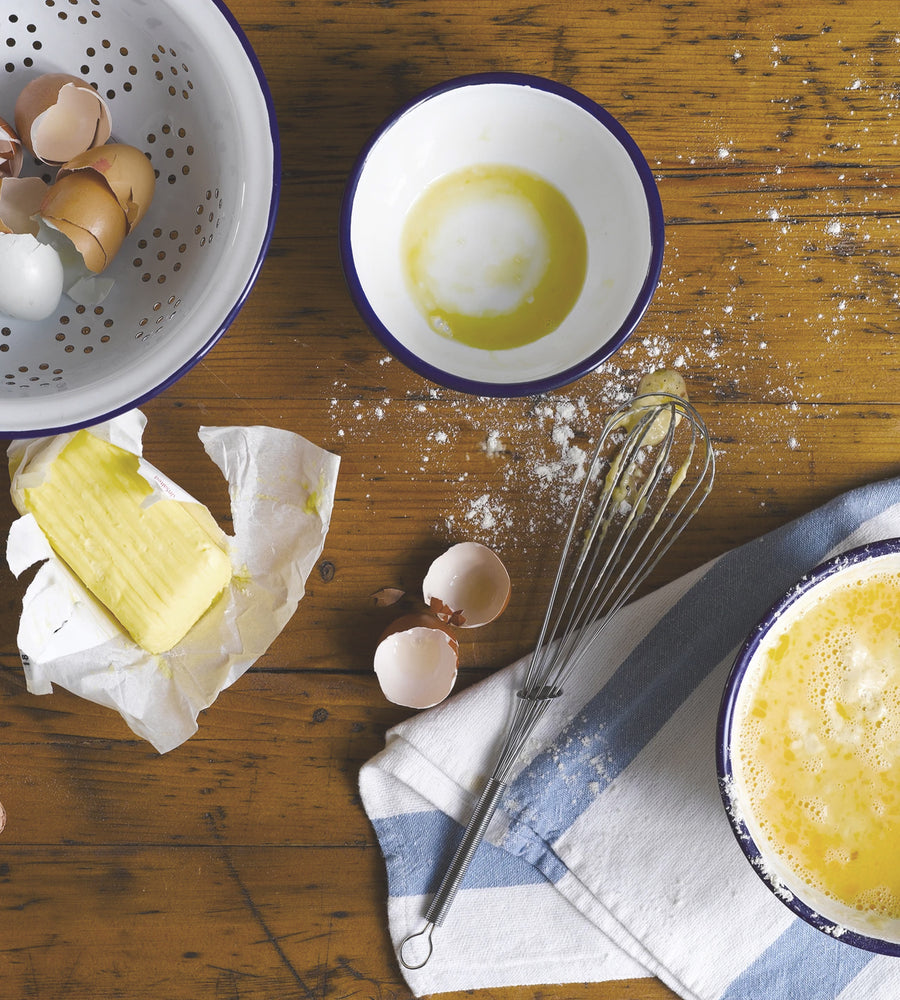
x=59, y=116
x=31, y=277
x=467, y=586
x=11, y=155
x=81, y=206
x=127, y=172
x=20, y=202
x=417, y=661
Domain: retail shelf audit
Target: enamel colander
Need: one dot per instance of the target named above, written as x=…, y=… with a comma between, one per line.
x=184, y=86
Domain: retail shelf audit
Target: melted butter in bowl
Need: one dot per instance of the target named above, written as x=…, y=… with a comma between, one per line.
x=494, y=256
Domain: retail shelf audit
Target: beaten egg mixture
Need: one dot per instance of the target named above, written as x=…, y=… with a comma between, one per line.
x=818, y=742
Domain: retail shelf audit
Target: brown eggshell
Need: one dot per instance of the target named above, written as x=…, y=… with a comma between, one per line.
x=126, y=170
x=387, y=596
x=59, y=116
x=82, y=207
x=20, y=202
x=11, y=155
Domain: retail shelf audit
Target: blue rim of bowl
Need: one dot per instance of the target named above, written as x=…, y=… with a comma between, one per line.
x=611, y=345
x=725, y=725
x=241, y=297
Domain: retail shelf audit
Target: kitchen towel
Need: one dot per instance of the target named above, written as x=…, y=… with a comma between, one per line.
x=611, y=856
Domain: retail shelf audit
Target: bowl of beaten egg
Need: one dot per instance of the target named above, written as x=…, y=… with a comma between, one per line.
x=501, y=234
x=809, y=748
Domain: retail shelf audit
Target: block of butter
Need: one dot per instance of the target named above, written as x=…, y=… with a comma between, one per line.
x=156, y=563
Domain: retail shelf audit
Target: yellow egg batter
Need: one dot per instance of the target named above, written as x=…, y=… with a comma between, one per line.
x=493, y=256
x=818, y=742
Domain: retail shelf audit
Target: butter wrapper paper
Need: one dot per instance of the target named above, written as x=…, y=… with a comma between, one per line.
x=282, y=491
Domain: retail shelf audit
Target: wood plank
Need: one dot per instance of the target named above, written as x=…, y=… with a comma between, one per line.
x=251, y=922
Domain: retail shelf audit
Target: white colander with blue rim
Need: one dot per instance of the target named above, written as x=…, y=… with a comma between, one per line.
x=184, y=86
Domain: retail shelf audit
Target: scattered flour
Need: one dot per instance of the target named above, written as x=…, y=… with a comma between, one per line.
x=493, y=445
x=708, y=320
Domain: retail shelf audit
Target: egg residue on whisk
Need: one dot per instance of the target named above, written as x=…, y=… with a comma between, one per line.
x=494, y=256
x=652, y=390
x=625, y=473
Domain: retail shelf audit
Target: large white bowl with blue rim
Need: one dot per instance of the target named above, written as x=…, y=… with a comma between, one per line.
x=539, y=126
x=841, y=922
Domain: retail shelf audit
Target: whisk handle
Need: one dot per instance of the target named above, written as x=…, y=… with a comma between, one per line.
x=473, y=836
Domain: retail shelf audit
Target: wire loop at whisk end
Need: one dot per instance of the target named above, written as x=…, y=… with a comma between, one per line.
x=425, y=932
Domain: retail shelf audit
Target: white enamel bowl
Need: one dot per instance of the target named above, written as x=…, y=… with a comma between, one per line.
x=839, y=921
x=546, y=129
x=184, y=86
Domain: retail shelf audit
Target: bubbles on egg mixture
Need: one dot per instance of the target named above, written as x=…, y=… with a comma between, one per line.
x=878, y=899
x=850, y=696
x=817, y=809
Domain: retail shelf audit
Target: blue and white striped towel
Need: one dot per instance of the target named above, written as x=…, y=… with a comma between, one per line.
x=611, y=856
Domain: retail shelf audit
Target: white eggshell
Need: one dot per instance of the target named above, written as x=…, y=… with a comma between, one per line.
x=417, y=667
x=90, y=290
x=74, y=267
x=467, y=586
x=31, y=277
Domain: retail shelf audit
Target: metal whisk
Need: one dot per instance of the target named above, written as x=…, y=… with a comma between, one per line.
x=650, y=471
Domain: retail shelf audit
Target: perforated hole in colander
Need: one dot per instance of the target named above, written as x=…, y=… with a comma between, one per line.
x=171, y=93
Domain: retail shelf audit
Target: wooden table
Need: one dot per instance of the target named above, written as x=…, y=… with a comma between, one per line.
x=241, y=864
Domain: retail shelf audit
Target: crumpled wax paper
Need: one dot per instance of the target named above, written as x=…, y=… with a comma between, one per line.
x=282, y=490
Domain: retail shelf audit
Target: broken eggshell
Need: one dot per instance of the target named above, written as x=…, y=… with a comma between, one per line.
x=31, y=277
x=126, y=171
x=467, y=586
x=59, y=116
x=387, y=596
x=20, y=202
x=82, y=207
x=416, y=661
x=81, y=285
x=11, y=155
x=89, y=290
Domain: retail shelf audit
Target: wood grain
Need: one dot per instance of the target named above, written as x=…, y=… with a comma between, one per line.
x=241, y=864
